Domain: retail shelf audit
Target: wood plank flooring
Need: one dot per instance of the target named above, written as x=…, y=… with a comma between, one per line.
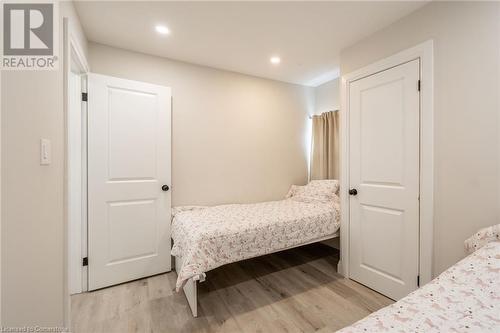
x=297, y=290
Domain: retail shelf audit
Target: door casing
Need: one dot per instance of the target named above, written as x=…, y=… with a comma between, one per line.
x=424, y=52
x=72, y=54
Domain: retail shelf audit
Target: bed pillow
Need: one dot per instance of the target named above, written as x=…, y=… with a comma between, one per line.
x=482, y=237
x=317, y=190
x=294, y=189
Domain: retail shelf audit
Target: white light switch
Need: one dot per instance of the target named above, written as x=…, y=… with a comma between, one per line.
x=44, y=152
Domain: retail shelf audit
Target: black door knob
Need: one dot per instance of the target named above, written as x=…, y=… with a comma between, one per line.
x=165, y=188
x=353, y=191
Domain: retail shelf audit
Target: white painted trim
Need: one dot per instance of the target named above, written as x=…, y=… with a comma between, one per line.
x=424, y=52
x=79, y=55
x=75, y=183
x=75, y=56
x=66, y=69
x=72, y=51
x=84, y=226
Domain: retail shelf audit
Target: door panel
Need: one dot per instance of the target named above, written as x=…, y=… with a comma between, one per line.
x=382, y=151
x=129, y=239
x=384, y=162
x=128, y=162
x=386, y=259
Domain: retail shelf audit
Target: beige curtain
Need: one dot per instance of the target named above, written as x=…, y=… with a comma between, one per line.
x=325, y=146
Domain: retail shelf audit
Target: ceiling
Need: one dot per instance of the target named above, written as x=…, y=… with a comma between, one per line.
x=242, y=36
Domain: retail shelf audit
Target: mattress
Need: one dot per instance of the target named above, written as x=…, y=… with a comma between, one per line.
x=464, y=298
x=209, y=237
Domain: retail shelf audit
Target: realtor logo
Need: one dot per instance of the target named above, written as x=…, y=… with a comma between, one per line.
x=29, y=36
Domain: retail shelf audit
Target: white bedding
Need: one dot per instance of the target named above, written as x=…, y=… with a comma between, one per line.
x=208, y=237
x=464, y=298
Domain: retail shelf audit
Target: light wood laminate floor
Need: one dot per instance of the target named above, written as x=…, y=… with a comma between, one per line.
x=297, y=290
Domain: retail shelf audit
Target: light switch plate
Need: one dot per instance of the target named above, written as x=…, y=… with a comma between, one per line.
x=45, y=152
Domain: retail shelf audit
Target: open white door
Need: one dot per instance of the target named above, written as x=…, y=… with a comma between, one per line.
x=384, y=171
x=129, y=157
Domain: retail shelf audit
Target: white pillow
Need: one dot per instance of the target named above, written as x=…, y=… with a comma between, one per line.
x=317, y=190
x=292, y=191
x=483, y=237
x=326, y=185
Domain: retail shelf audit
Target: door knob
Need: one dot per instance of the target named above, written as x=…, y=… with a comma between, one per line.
x=165, y=188
x=353, y=191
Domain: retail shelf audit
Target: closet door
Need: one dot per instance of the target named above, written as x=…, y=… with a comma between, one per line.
x=384, y=180
x=128, y=178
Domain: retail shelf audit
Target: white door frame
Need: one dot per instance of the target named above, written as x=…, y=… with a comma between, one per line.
x=76, y=57
x=424, y=52
x=72, y=54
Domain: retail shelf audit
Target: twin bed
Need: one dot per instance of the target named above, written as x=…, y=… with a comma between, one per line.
x=209, y=237
x=464, y=298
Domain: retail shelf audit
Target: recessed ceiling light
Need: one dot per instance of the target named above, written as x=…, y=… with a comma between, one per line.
x=161, y=29
x=275, y=60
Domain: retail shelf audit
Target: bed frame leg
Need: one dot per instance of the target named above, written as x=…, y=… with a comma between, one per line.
x=191, y=292
x=191, y=288
x=340, y=268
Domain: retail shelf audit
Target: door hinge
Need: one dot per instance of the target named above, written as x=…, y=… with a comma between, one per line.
x=418, y=85
x=85, y=261
x=418, y=280
x=85, y=97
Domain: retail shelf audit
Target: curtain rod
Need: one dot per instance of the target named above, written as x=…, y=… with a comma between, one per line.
x=310, y=117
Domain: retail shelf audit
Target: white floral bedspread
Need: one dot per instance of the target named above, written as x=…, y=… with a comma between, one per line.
x=464, y=298
x=208, y=237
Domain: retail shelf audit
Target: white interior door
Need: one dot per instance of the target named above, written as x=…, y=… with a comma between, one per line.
x=129, y=128
x=384, y=170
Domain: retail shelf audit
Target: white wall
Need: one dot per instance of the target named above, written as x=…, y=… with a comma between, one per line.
x=32, y=281
x=236, y=138
x=466, y=54
x=327, y=97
